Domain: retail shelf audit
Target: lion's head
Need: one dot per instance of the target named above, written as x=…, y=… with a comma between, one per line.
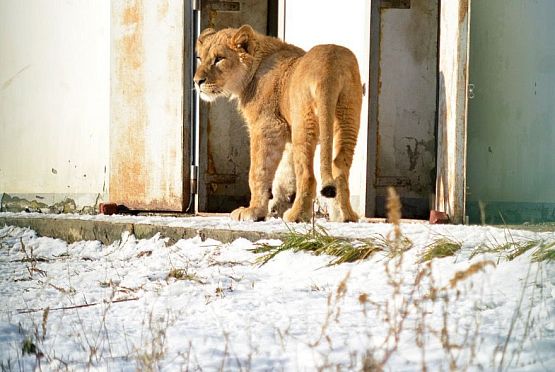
x=226, y=61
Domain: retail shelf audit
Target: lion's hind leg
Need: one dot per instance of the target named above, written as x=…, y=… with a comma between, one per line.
x=304, y=138
x=345, y=136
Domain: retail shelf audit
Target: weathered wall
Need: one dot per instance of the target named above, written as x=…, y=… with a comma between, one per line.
x=149, y=163
x=54, y=99
x=406, y=151
x=511, y=112
x=452, y=108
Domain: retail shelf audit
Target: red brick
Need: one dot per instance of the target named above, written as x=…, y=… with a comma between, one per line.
x=437, y=217
x=107, y=208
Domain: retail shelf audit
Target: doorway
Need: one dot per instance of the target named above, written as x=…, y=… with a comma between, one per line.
x=224, y=141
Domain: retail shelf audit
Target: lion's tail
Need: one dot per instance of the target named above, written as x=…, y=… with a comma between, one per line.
x=326, y=117
x=339, y=107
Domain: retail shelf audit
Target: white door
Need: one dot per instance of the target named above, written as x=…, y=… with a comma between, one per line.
x=149, y=156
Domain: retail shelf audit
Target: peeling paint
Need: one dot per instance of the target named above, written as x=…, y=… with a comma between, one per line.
x=405, y=137
x=13, y=203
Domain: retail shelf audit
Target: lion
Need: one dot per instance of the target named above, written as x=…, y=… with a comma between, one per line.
x=288, y=98
x=284, y=186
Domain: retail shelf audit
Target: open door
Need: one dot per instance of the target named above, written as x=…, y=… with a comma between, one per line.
x=452, y=108
x=224, y=158
x=149, y=157
x=348, y=26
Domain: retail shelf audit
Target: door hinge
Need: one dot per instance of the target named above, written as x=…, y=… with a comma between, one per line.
x=471, y=88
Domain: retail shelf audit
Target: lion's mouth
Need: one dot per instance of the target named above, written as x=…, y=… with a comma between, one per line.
x=209, y=95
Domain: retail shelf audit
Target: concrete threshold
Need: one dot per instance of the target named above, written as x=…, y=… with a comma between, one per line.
x=76, y=229
x=108, y=229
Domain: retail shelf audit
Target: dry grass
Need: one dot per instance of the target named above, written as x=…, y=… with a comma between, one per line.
x=184, y=274
x=319, y=242
x=443, y=247
x=544, y=252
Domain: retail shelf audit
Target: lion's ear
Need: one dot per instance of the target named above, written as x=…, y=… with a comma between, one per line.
x=206, y=32
x=243, y=39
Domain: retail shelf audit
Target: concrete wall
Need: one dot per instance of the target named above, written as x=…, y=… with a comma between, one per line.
x=54, y=99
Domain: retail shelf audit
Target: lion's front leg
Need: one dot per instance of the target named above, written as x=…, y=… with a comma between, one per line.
x=265, y=155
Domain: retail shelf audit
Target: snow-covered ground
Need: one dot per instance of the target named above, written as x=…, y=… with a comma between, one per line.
x=204, y=305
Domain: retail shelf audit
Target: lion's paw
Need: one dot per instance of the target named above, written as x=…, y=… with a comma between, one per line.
x=338, y=215
x=248, y=214
x=292, y=215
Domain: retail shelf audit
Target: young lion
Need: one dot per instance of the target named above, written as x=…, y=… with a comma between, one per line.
x=287, y=95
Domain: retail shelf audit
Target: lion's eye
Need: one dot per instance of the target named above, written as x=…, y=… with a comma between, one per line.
x=218, y=59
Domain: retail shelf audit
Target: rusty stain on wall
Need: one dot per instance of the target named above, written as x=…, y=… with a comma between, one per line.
x=163, y=7
x=128, y=186
x=148, y=161
x=463, y=10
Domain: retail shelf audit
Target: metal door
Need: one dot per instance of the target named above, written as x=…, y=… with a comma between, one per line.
x=511, y=112
x=224, y=142
x=149, y=157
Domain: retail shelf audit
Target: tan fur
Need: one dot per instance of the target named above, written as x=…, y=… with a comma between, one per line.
x=284, y=187
x=287, y=96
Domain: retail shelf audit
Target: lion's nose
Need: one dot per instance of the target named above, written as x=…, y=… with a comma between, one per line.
x=199, y=81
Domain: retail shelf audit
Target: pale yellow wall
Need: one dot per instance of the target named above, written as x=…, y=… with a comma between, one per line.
x=54, y=96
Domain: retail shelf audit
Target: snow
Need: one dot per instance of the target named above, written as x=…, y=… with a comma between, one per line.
x=117, y=307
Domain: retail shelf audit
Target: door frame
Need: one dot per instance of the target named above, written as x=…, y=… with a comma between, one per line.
x=453, y=59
